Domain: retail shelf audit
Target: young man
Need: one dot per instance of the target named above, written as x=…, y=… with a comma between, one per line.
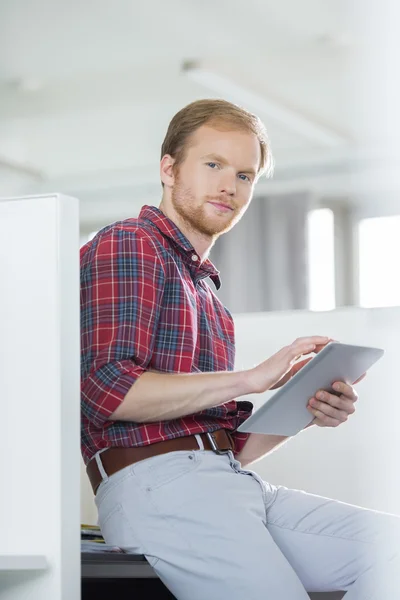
x=159, y=409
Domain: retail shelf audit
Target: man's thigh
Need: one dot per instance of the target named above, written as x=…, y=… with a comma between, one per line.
x=330, y=544
x=201, y=523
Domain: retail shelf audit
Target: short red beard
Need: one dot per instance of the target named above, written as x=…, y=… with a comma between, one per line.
x=194, y=215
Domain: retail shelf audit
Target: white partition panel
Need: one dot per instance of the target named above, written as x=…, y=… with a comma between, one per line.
x=39, y=398
x=358, y=461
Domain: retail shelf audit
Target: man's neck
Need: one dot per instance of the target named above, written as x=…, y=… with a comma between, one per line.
x=201, y=243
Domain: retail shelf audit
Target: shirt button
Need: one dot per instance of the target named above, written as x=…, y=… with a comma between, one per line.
x=195, y=258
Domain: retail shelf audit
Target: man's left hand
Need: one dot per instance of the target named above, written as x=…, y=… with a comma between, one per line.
x=333, y=409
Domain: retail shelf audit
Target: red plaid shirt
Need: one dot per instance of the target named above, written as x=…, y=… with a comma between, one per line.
x=145, y=304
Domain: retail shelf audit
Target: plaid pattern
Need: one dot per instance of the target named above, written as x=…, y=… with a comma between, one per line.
x=145, y=305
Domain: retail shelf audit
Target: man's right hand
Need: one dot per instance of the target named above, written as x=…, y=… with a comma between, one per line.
x=280, y=367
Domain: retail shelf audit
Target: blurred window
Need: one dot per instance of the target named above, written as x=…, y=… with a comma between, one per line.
x=379, y=255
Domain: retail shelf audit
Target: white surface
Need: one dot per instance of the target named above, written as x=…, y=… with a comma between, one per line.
x=39, y=392
x=23, y=563
x=379, y=255
x=358, y=461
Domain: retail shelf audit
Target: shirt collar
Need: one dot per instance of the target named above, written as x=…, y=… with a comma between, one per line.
x=168, y=229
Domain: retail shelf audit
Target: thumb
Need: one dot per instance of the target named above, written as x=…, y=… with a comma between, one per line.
x=299, y=365
x=293, y=370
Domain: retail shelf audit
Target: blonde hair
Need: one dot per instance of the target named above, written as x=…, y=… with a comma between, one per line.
x=214, y=112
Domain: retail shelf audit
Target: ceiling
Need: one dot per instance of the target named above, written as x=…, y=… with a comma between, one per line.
x=87, y=89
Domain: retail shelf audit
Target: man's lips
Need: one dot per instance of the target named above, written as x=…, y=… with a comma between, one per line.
x=222, y=206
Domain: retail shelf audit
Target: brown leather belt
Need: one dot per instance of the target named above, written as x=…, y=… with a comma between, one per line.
x=114, y=459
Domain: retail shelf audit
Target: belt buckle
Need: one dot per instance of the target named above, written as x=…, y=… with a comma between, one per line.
x=214, y=445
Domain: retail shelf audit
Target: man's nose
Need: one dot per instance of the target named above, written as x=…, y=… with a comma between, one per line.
x=228, y=185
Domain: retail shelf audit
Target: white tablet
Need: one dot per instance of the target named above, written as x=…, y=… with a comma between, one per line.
x=285, y=413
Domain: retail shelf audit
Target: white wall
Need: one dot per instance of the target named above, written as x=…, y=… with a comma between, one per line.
x=356, y=462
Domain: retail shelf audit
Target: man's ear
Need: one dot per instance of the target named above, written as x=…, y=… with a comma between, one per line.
x=167, y=170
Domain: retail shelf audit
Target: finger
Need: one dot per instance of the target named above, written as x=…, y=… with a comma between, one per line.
x=299, y=365
x=318, y=344
x=328, y=420
x=304, y=346
x=295, y=354
x=329, y=410
x=315, y=340
x=340, y=403
x=346, y=390
x=293, y=370
x=360, y=378
x=320, y=347
x=315, y=420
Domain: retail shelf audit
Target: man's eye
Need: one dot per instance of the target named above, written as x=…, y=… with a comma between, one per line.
x=246, y=178
x=212, y=164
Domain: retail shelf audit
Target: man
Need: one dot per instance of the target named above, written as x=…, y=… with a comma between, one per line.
x=159, y=408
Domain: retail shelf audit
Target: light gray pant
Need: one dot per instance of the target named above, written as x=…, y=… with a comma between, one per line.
x=214, y=531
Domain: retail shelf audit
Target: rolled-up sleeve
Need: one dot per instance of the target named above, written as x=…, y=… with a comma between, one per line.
x=122, y=285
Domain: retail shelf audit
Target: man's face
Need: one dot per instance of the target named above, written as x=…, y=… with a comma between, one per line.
x=214, y=184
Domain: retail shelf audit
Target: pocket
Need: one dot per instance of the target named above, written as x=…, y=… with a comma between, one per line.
x=165, y=468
